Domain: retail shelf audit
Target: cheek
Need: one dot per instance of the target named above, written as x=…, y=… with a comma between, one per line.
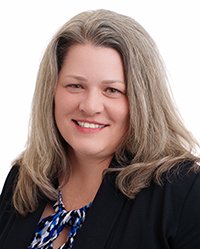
x=124, y=121
x=62, y=103
x=121, y=114
x=58, y=106
x=61, y=108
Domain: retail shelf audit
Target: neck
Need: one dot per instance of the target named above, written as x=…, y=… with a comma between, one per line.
x=84, y=181
x=87, y=168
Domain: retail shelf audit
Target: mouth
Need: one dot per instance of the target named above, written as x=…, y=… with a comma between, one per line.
x=89, y=125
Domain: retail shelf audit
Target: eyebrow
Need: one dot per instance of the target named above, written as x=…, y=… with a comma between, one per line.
x=81, y=78
x=113, y=81
x=77, y=77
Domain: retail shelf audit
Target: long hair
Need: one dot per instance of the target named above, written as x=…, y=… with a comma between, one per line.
x=156, y=139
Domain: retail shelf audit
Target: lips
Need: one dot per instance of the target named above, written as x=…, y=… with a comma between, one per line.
x=89, y=125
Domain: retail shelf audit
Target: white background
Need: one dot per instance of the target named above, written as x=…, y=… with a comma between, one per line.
x=26, y=27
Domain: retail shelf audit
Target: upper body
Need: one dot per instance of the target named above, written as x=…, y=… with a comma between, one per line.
x=102, y=109
x=160, y=217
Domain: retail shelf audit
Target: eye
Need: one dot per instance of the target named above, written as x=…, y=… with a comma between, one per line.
x=74, y=87
x=113, y=92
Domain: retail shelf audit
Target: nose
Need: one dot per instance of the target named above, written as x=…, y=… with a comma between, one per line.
x=91, y=103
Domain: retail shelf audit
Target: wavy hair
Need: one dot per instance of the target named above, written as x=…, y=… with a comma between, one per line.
x=156, y=139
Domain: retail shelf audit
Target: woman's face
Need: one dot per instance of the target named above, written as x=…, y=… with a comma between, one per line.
x=91, y=106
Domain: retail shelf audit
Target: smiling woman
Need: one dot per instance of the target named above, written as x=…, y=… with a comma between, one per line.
x=108, y=163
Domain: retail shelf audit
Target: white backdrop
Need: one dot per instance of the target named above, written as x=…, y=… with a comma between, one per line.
x=27, y=26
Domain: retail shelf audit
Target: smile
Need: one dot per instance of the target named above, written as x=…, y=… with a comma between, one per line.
x=89, y=125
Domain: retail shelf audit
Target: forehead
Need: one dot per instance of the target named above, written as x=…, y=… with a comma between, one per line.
x=90, y=50
x=89, y=60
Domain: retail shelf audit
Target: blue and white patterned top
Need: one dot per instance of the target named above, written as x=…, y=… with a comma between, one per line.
x=49, y=228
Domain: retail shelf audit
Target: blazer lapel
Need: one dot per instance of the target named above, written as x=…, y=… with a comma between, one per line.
x=101, y=217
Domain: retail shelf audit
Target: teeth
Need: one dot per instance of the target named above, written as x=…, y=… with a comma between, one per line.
x=89, y=125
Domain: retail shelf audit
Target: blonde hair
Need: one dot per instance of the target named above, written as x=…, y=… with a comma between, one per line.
x=156, y=139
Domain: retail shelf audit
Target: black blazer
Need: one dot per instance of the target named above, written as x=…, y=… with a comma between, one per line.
x=166, y=217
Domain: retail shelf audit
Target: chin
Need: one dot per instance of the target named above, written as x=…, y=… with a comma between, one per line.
x=93, y=153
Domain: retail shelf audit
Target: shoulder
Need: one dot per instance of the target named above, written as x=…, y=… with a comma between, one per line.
x=182, y=202
x=178, y=183
x=171, y=209
x=12, y=175
x=172, y=202
x=177, y=205
x=10, y=179
x=182, y=177
x=9, y=184
x=7, y=213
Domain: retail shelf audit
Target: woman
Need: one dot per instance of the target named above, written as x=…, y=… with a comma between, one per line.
x=108, y=163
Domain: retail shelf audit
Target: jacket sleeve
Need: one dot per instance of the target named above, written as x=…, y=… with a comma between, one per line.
x=188, y=231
